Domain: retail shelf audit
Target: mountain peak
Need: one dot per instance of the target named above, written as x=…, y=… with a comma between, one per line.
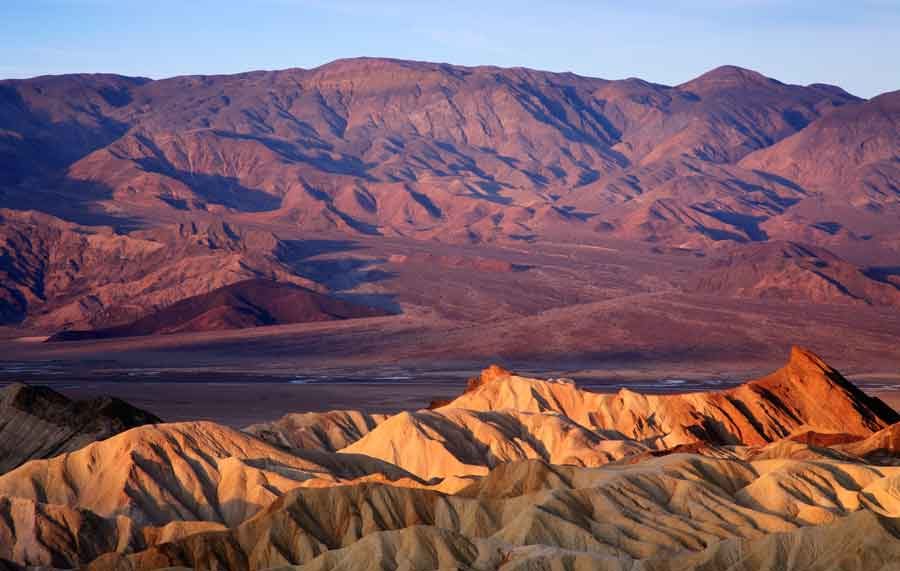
x=727, y=77
x=494, y=372
x=810, y=384
x=489, y=375
x=802, y=359
x=805, y=368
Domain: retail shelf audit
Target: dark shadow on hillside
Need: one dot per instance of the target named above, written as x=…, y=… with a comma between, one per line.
x=771, y=198
x=291, y=251
x=887, y=275
x=786, y=182
x=346, y=165
x=748, y=225
x=829, y=227
x=588, y=127
x=56, y=145
x=430, y=207
x=217, y=189
x=340, y=274
x=385, y=301
x=488, y=190
x=70, y=200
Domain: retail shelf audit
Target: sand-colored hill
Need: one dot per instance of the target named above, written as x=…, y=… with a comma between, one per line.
x=662, y=508
x=503, y=417
x=796, y=470
x=459, y=442
x=183, y=471
x=59, y=537
x=856, y=542
x=329, y=431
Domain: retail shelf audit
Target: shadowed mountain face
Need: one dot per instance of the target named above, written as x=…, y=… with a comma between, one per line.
x=796, y=470
x=38, y=422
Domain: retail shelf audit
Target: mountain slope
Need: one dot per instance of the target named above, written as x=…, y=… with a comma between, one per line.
x=38, y=422
x=673, y=506
x=60, y=537
x=49, y=122
x=521, y=473
x=377, y=146
x=56, y=274
x=418, y=152
x=854, y=152
x=329, y=431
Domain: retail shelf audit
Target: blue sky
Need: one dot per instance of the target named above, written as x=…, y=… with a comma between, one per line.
x=852, y=43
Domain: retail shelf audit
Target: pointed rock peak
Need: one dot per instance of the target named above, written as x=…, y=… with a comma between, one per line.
x=13, y=388
x=804, y=360
x=808, y=381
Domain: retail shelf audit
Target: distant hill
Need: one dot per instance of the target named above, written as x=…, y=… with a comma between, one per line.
x=250, y=303
x=788, y=271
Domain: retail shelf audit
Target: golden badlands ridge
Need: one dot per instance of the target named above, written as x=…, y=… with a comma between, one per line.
x=797, y=470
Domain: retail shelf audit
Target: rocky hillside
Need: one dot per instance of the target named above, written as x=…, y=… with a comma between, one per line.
x=38, y=422
x=504, y=417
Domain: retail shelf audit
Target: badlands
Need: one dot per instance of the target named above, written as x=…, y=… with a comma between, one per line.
x=799, y=469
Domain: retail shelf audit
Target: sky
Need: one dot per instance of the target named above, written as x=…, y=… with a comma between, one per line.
x=851, y=43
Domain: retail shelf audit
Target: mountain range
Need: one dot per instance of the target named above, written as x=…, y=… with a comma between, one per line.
x=126, y=195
